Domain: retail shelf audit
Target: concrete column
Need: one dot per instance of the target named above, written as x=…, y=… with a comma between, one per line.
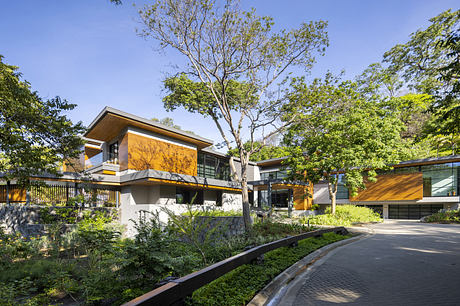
x=269, y=194
x=385, y=211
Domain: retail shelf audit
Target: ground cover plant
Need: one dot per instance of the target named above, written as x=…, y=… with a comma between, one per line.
x=346, y=215
x=449, y=216
x=239, y=286
x=93, y=264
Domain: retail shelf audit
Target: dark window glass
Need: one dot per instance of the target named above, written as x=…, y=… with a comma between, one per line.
x=185, y=196
x=113, y=153
x=210, y=166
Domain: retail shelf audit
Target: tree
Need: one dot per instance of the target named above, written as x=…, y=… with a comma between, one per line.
x=237, y=68
x=170, y=122
x=430, y=63
x=266, y=152
x=35, y=135
x=341, y=131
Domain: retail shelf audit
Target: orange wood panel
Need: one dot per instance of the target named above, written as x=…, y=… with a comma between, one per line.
x=18, y=195
x=123, y=152
x=302, y=199
x=393, y=187
x=72, y=165
x=147, y=153
x=111, y=125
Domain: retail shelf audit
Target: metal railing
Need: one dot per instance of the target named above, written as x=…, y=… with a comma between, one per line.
x=177, y=290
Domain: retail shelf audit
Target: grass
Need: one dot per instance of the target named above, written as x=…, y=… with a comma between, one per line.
x=239, y=286
x=346, y=215
x=450, y=216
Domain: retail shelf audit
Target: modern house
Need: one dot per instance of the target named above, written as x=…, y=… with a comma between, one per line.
x=140, y=165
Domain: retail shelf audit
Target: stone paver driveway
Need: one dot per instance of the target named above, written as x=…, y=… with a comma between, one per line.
x=403, y=263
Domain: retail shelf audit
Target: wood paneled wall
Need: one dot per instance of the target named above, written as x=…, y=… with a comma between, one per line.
x=137, y=152
x=302, y=201
x=393, y=187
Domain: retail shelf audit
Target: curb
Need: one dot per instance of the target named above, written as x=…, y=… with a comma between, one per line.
x=267, y=296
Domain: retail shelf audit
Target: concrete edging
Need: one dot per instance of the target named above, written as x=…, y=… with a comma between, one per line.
x=279, y=283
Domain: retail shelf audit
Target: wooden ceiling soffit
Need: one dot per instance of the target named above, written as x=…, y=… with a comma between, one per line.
x=111, y=125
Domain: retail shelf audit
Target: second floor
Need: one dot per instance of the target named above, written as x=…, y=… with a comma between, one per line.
x=119, y=143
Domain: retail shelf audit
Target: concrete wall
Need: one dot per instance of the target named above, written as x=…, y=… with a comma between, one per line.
x=232, y=201
x=136, y=199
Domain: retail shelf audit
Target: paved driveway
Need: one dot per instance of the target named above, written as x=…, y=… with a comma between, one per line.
x=403, y=263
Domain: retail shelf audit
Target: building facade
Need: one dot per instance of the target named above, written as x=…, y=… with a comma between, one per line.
x=140, y=165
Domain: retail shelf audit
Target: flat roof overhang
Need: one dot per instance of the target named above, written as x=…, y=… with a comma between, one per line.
x=155, y=177
x=111, y=122
x=277, y=184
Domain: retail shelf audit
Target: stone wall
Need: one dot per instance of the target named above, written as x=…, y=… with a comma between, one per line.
x=220, y=227
x=28, y=219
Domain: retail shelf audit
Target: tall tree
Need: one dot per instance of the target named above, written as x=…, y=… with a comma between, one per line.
x=341, y=131
x=430, y=63
x=35, y=135
x=237, y=68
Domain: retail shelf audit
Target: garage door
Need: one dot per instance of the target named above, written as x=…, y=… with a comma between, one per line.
x=412, y=211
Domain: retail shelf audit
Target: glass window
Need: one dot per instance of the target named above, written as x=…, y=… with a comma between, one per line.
x=210, y=166
x=113, y=153
x=342, y=190
x=440, y=180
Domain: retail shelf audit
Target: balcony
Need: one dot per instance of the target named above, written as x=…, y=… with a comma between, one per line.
x=95, y=164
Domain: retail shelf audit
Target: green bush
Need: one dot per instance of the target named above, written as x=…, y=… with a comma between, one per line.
x=345, y=215
x=239, y=286
x=449, y=216
x=277, y=230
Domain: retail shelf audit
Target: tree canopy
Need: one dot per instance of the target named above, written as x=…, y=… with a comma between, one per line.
x=429, y=63
x=35, y=134
x=341, y=131
x=237, y=68
x=265, y=152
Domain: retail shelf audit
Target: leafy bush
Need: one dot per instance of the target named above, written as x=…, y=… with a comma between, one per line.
x=219, y=213
x=345, y=215
x=278, y=230
x=239, y=286
x=449, y=216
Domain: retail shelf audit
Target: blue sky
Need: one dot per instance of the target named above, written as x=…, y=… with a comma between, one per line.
x=87, y=51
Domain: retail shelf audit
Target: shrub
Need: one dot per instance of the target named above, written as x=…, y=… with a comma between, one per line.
x=449, y=216
x=276, y=229
x=239, y=286
x=345, y=215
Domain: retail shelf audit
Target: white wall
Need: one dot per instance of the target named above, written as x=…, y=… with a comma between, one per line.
x=232, y=201
x=321, y=194
x=135, y=199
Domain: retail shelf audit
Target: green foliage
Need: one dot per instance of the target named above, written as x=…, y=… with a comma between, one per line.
x=239, y=286
x=449, y=216
x=341, y=130
x=265, y=152
x=269, y=228
x=217, y=213
x=346, y=215
x=36, y=135
x=429, y=63
x=154, y=255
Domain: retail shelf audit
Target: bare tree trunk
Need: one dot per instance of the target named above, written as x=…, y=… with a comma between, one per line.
x=332, y=194
x=244, y=190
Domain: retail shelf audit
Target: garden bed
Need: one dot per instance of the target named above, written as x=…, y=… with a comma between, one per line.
x=93, y=264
